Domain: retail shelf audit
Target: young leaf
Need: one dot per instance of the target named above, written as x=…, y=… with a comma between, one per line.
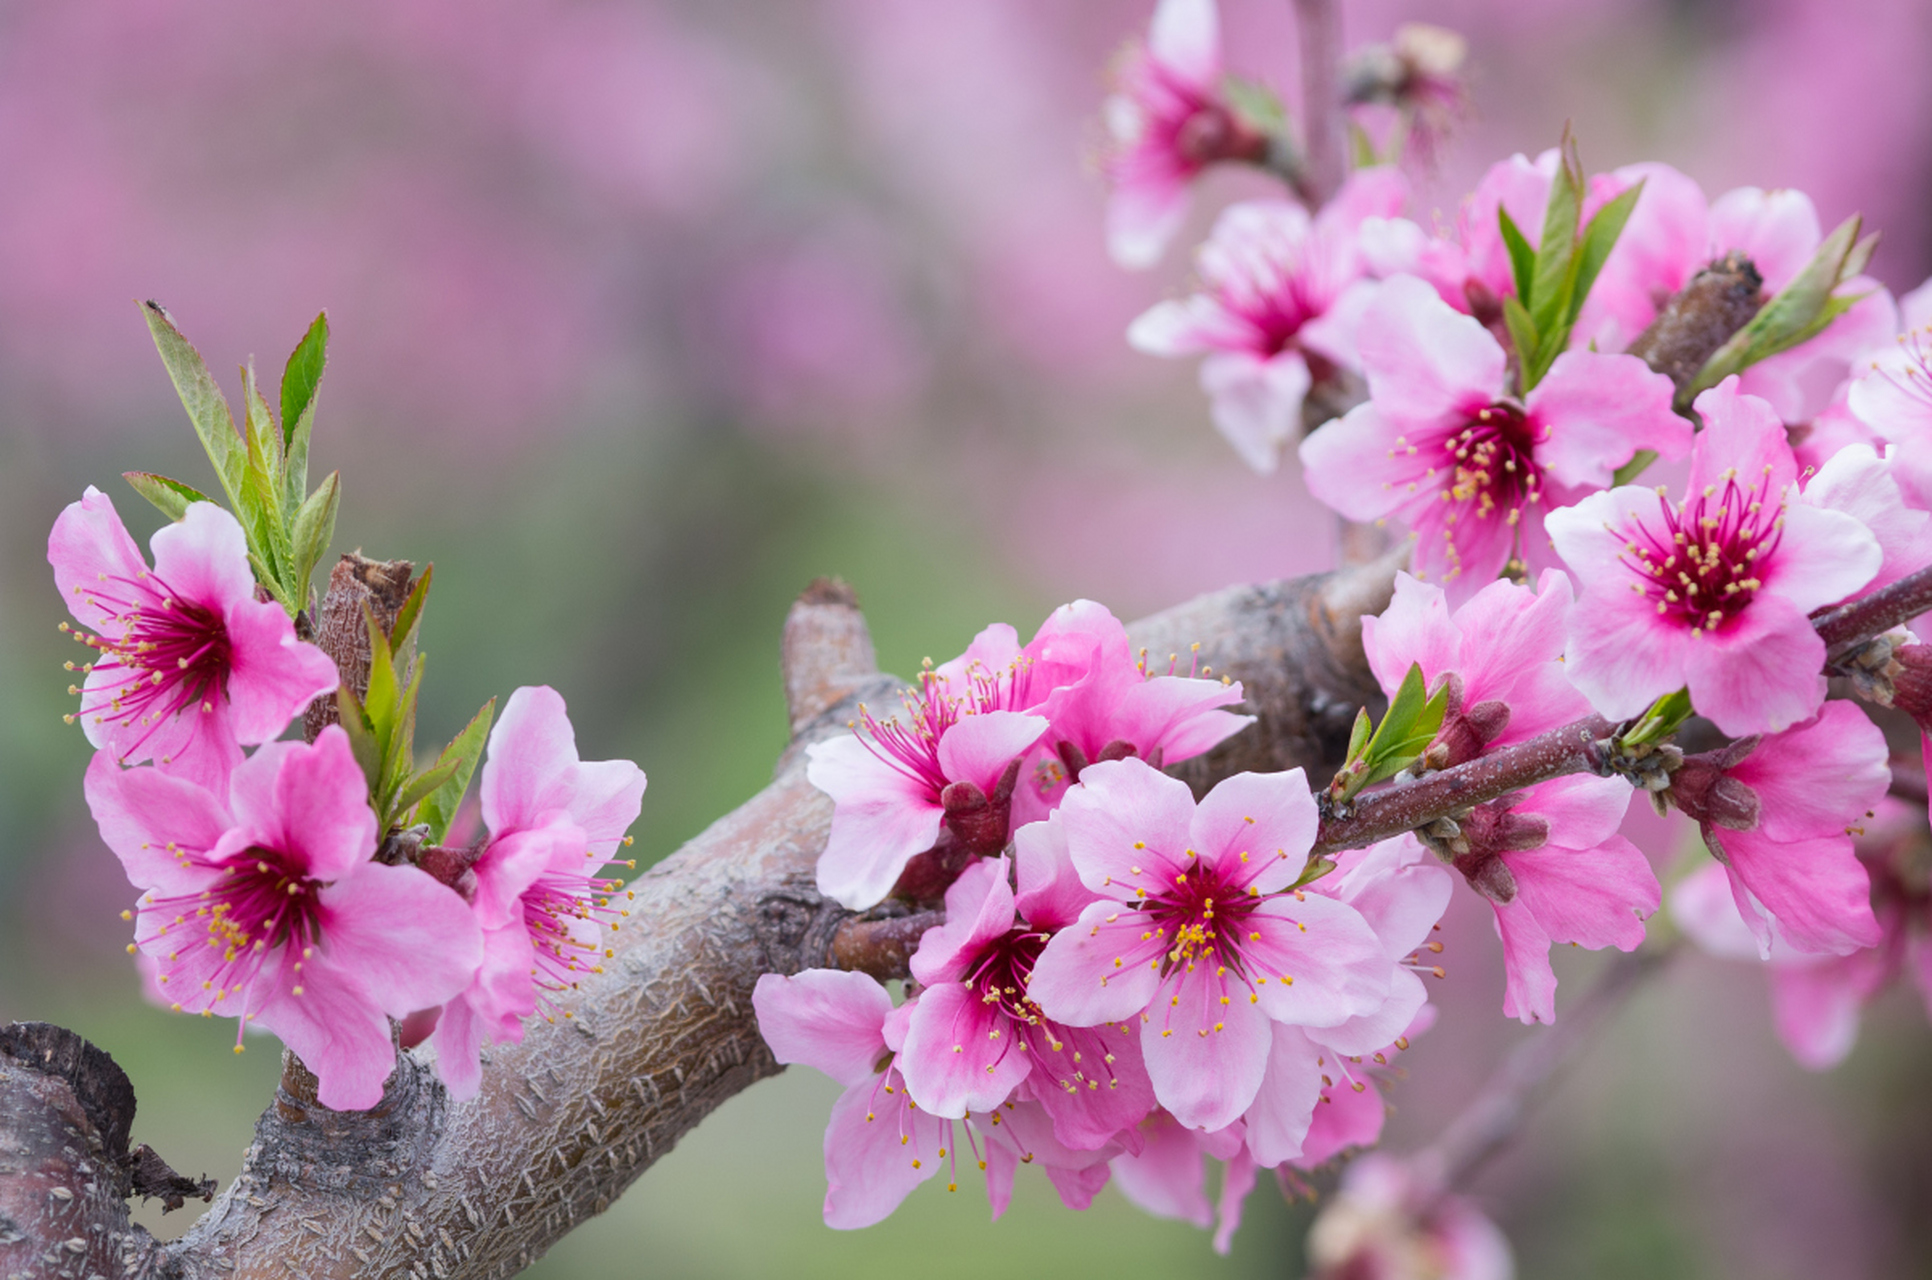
x=384, y=698
x=171, y=497
x=1358, y=736
x=1412, y=722
x=402, y=636
x=261, y=434
x=1599, y=238
x=362, y=738
x=1549, y=298
x=313, y=528
x=1522, y=258
x=1522, y=332
x=464, y=750
x=401, y=752
x=200, y=396
x=300, y=381
x=416, y=789
x=1630, y=470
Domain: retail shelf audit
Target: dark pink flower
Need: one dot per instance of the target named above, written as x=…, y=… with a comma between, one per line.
x=1779, y=812
x=1198, y=933
x=1501, y=651
x=1712, y=592
x=977, y=1037
x=1442, y=444
x=1281, y=295
x=1554, y=869
x=189, y=666
x=554, y=822
x=265, y=905
x=1168, y=120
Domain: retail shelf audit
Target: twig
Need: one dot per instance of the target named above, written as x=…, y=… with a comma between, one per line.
x=1850, y=625
x=882, y=947
x=1320, y=23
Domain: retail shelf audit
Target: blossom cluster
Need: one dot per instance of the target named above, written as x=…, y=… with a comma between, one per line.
x=270, y=890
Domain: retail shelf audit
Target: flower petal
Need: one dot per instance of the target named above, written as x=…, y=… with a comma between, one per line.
x=830, y=1019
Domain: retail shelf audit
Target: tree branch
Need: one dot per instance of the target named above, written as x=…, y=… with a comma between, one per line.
x=1320, y=25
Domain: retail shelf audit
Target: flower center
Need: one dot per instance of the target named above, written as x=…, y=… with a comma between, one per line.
x=567, y=913
x=171, y=655
x=1005, y=969
x=1700, y=566
x=911, y=744
x=1200, y=917
x=1492, y=463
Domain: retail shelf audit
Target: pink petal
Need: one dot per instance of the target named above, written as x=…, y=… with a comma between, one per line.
x=203, y=557
x=1337, y=963
x=1517, y=656
x=1093, y=1086
x=1815, y=889
x=1820, y=777
x=335, y=1027
x=1142, y=216
x=1824, y=557
x=880, y=820
x=1050, y=895
x=1529, y=986
x=1344, y=1118
x=992, y=650
x=979, y=909
x=511, y=864
x=1702, y=905
x=824, y=1018
x=1742, y=436
x=1366, y=467
x=1237, y=1180
x=142, y=813
x=459, y=1039
x=1370, y=1032
x=1778, y=230
x=411, y=941
x=1759, y=674
x=1169, y=1177
x=1425, y=360
x=1277, y=1121
x=89, y=542
x=1205, y=1058
x=960, y=1054
x=1256, y=829
x=1097, y=970
x=868, y=1170
x=1255, y=402
x=532, y=766
x=1595, y=897
x=1856, y=482
x=978, y=748
x=1583, y=810
x=311, y=802
x=1186, y=38
x=1595, y=411
x=1414, y=630
x=1398, y=888
x=1661, y=247
x=272, y=676
x=1189, y=326
x=1816, y=1005
x=1127, y=824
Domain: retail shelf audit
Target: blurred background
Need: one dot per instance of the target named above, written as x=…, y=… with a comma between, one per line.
x=648, y=311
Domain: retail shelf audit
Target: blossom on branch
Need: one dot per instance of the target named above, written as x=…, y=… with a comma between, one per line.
x=554, y=822
x=1281, y=296
x=263, y=903
x=1444, y=444
x=188, y=666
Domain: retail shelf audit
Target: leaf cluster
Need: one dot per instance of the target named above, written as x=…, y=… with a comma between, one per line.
x=263, y=465
x=1554, y=279
x=1413, y=720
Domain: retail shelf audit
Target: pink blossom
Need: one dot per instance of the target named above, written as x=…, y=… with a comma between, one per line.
x=1281, y=295
x=264, y=904
x=1442, y=444
x=1386, y=1224
x=189, y=666
x=1104, y=704
x=1779, y=812
x=1166, y=1175
x=1501, y=652
x=1168, y=120
x=1554, y=869
x=977, y=1036
x=1893, y=397
x=1711, y=593
x=1673, y=233
x=1858, y=482
x=1199, y=933
x=553, y=820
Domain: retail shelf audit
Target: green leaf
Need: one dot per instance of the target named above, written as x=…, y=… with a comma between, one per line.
x=266, y=578
x=263, y=438
x=1358, y=736
x=402, y=636
x=465, y=749
x=1635, y=467
x=401, y=753
x=170, y=496
x=200, y=396
x=1522, y=332
x=1665, y=717
x=1599, y=238
x=312, y=530
x=1256, y=104
x=1800, y=311
x=1549, y=298
x=384, y=698
x=1522, y=258
x=362, y=738
x=419, y=787
x=1413, y=720
x=300, y=381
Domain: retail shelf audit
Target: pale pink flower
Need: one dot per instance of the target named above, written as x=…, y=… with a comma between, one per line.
x=977, y=1036
x=1674, y=232
x=1442, y=444
x=1892, y=395
x=264, y=904
x=1554, y=869
x=1711, y=593
x=1858, y=482
x=1198, y=933
x=1501, y=652
x=1779, y=812
x=1281, y=295
x=188, y=665
x=553, y=822
x=1105, y=704
x=1385, y=1224
x=1166, y=1175
x=1167, y=121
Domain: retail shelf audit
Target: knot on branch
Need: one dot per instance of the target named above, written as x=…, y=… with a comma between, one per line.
x=882, y=948
x=827, y=654
x=1700, y=318
x=355, y=584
